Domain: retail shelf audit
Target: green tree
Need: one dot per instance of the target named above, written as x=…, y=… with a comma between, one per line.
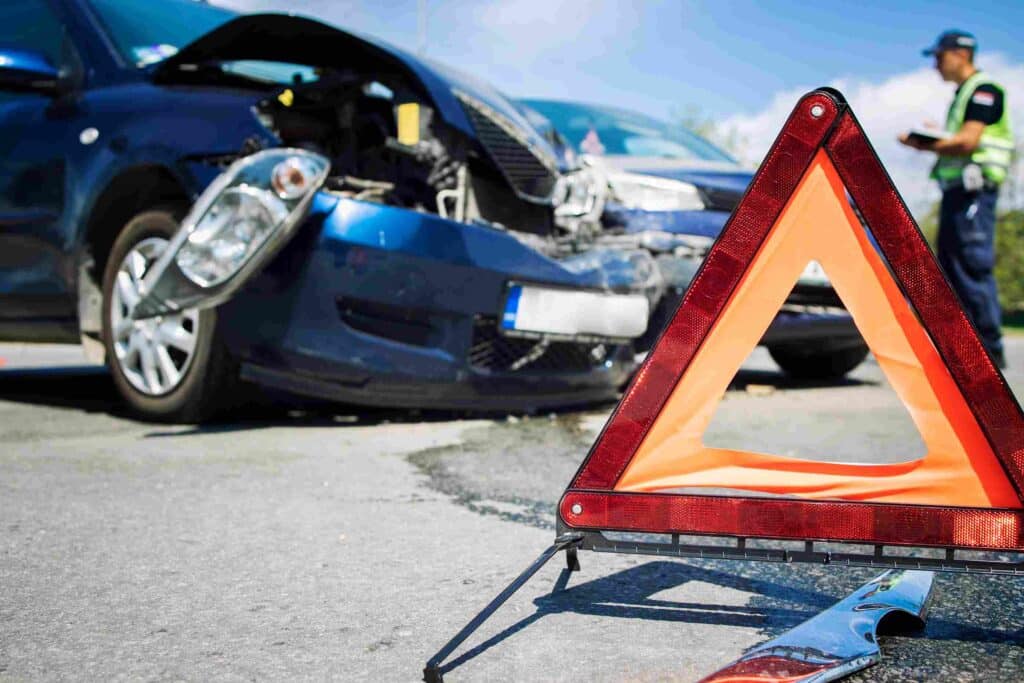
x=929, y=225
x=1010, y=260
x=1009, y=269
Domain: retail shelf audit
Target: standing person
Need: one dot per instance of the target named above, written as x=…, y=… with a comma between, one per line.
x=974, y=157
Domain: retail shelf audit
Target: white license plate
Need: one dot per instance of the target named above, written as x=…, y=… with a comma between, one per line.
x=814, y=274
x=545, y=310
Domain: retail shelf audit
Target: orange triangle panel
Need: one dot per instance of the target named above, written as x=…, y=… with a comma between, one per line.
x=965, y=492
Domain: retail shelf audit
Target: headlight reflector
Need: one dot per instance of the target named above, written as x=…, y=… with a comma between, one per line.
x=234, y=227
x=579, y=197
x=256, y=198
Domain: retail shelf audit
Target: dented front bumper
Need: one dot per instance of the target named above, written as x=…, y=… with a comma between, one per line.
x=379, y=305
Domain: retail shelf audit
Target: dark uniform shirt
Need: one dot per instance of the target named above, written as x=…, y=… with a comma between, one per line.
x=985, y=105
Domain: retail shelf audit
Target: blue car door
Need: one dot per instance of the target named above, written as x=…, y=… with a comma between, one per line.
x=36, y=273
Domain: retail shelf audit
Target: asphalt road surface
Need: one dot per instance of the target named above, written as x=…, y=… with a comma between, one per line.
x=321, y=542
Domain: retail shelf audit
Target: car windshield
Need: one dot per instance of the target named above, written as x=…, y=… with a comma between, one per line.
x=148, y=32
x=606, y=130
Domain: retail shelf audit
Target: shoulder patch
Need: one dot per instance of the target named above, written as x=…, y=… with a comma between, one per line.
x=981, y=97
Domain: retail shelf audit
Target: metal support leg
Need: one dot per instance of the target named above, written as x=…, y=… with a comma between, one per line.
x=432, y=672
x=572, y=558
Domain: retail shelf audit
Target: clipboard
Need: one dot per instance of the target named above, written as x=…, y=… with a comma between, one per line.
x=927, y=135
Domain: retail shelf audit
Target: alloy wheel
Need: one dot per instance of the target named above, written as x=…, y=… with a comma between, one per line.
x=154, y=354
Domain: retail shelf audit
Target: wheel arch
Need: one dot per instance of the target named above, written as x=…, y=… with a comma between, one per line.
x=130, y=191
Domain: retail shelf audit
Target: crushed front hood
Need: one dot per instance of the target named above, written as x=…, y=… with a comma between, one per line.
x=299, y=40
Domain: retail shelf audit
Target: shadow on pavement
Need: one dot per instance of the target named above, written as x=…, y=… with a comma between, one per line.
x=286, y=411
x=630, y=594
x=85, y=387
x=90, y=389
x=780, y=380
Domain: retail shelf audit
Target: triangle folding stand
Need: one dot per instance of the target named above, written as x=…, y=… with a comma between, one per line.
x=639, y=489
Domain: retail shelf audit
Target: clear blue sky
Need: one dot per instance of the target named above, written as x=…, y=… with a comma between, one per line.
x=726, y=57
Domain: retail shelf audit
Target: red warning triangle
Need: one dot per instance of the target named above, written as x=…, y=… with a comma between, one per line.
x=966, y=492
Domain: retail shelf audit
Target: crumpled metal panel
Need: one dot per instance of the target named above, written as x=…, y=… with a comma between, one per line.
x=839, y=641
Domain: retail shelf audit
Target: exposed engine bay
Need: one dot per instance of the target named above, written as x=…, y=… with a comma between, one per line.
x=355, y=124
x=387, y=145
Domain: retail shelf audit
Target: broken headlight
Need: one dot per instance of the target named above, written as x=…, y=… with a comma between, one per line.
x=579, y=197
x=236, y=226
x=258, y=197
x=650, y=193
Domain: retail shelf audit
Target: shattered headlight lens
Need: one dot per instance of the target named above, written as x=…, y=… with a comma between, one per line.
x=650, y=193
x=579, y=197
x=257, y=197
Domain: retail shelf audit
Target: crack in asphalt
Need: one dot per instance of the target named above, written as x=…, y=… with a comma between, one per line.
x=489, y=450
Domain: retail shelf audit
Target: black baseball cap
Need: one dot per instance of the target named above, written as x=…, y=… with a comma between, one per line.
x=952, y=40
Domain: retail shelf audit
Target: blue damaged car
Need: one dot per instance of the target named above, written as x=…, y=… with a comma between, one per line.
x=205, y=199
x=671, y=192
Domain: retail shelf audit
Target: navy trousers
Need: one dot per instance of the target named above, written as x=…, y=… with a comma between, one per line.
x=967, y=228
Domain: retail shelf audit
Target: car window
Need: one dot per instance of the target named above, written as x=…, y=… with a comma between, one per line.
x=148, y=32
x=272, y=72
x=31, y=25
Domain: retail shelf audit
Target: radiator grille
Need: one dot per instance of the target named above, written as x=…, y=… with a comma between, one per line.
x=493, y=352
x=526, y=169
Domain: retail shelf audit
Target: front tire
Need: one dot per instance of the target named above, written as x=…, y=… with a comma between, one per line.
x=171, y=368
x=818, y=364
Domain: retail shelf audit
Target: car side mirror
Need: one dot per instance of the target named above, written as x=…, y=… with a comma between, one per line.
x=28, y=71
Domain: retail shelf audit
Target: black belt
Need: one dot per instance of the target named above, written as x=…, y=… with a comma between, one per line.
x=958, y=185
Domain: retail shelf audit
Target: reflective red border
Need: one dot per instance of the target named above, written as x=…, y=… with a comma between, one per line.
x=875, y=523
